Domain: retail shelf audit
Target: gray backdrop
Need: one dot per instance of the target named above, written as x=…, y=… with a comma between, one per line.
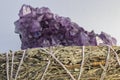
x=98, y=15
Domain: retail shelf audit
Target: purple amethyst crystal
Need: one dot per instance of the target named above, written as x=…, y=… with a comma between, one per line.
x=39, y=27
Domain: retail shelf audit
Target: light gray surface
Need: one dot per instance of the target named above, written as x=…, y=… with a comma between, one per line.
x=98, y=15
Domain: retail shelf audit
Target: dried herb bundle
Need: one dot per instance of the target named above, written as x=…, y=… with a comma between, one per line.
x=62, y=63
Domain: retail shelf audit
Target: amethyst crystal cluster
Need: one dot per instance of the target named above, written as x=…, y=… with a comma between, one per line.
x=39, y=27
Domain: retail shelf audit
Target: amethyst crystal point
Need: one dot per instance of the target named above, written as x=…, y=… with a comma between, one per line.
x=43, y=10
x=84, y=39
x=39, y=27
x=107, y=39
x=25, y=10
